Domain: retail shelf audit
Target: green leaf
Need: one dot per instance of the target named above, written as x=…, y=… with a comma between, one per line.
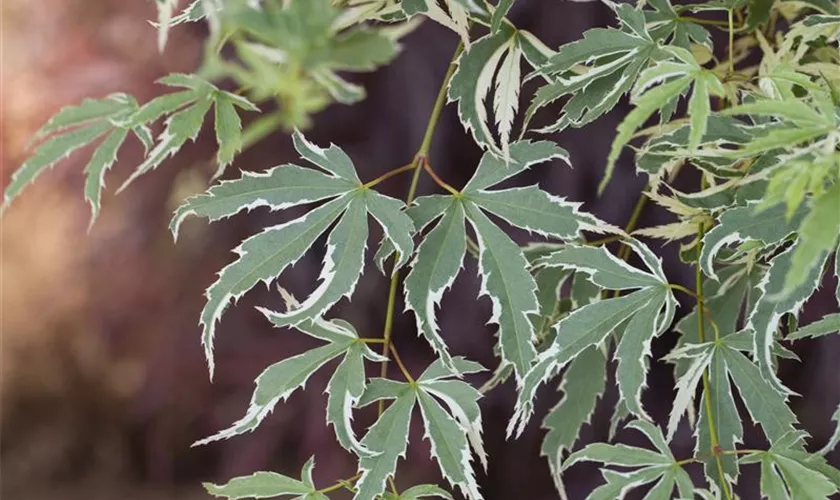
x=340, y=89
x=604, y=269
x=502, y=8
x=181, y=126
x=305, y=33
x=258, y=485
x=591, y=324
x=741, y=224
x=449, y=446
x=805, y=475
x=423, y=211
x=646, y=105
x=653, y=467
x=818, y=234
x=228, y=131
x=620, y=482
x=362, y=49
x=617, y=454
x=277, y=188
x=438, y=369
x=276, y=383
x=758, y=12
x=433, y=269
x=665, y=23
x=583, y=328
x=766, y=405
x=345, y=389
x=802, y=481
x=796, y=111
x=294, y=51
x=633, y=352
x=332, y=159
x=461, y=399
x=144, y=135
x=455, y=17
x=90, y=110
x=609, y=272
x=494, y=57
x=101, y=161
x=700, y=358
x=263, y=257
x=725, y=414
x=699, y=106
x=387, y=439
x=506, y=96
x=724, y=302
x=381, y=388
x=584, y=291
x=774, y=302
x=670, y=148
x=614, y=58
x=835, y=438
x=163, y=105
x=116, y=115
x=727, y=423
x=829, y=323
x=583, y=384
x=396, y=224
x=47, y=154
x=536, y=211
x=523, y=155
x=472, y=81
x=511, y=289
x=306, y=472
x=771, y=482
x=788, y=124
x=343, y=263
x=188, y=109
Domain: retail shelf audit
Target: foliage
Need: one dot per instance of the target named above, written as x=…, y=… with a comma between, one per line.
x=761, y=125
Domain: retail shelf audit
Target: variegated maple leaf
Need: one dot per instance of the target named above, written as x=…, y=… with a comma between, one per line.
x=640, y=316
x=264, y=256
x=502, y=265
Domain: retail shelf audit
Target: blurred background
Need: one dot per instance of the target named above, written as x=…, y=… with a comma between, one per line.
x=103, y=385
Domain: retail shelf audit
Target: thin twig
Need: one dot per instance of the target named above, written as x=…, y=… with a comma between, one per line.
x=341, y=483
x=707, y=390
x=419, y=159
x=401, y=366
x=428, y=168
x=391, y=173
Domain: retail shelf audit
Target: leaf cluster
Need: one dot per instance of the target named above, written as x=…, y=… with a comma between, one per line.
x=761, y=126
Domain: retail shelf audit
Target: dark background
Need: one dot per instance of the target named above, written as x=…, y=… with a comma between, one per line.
x=103, y=385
